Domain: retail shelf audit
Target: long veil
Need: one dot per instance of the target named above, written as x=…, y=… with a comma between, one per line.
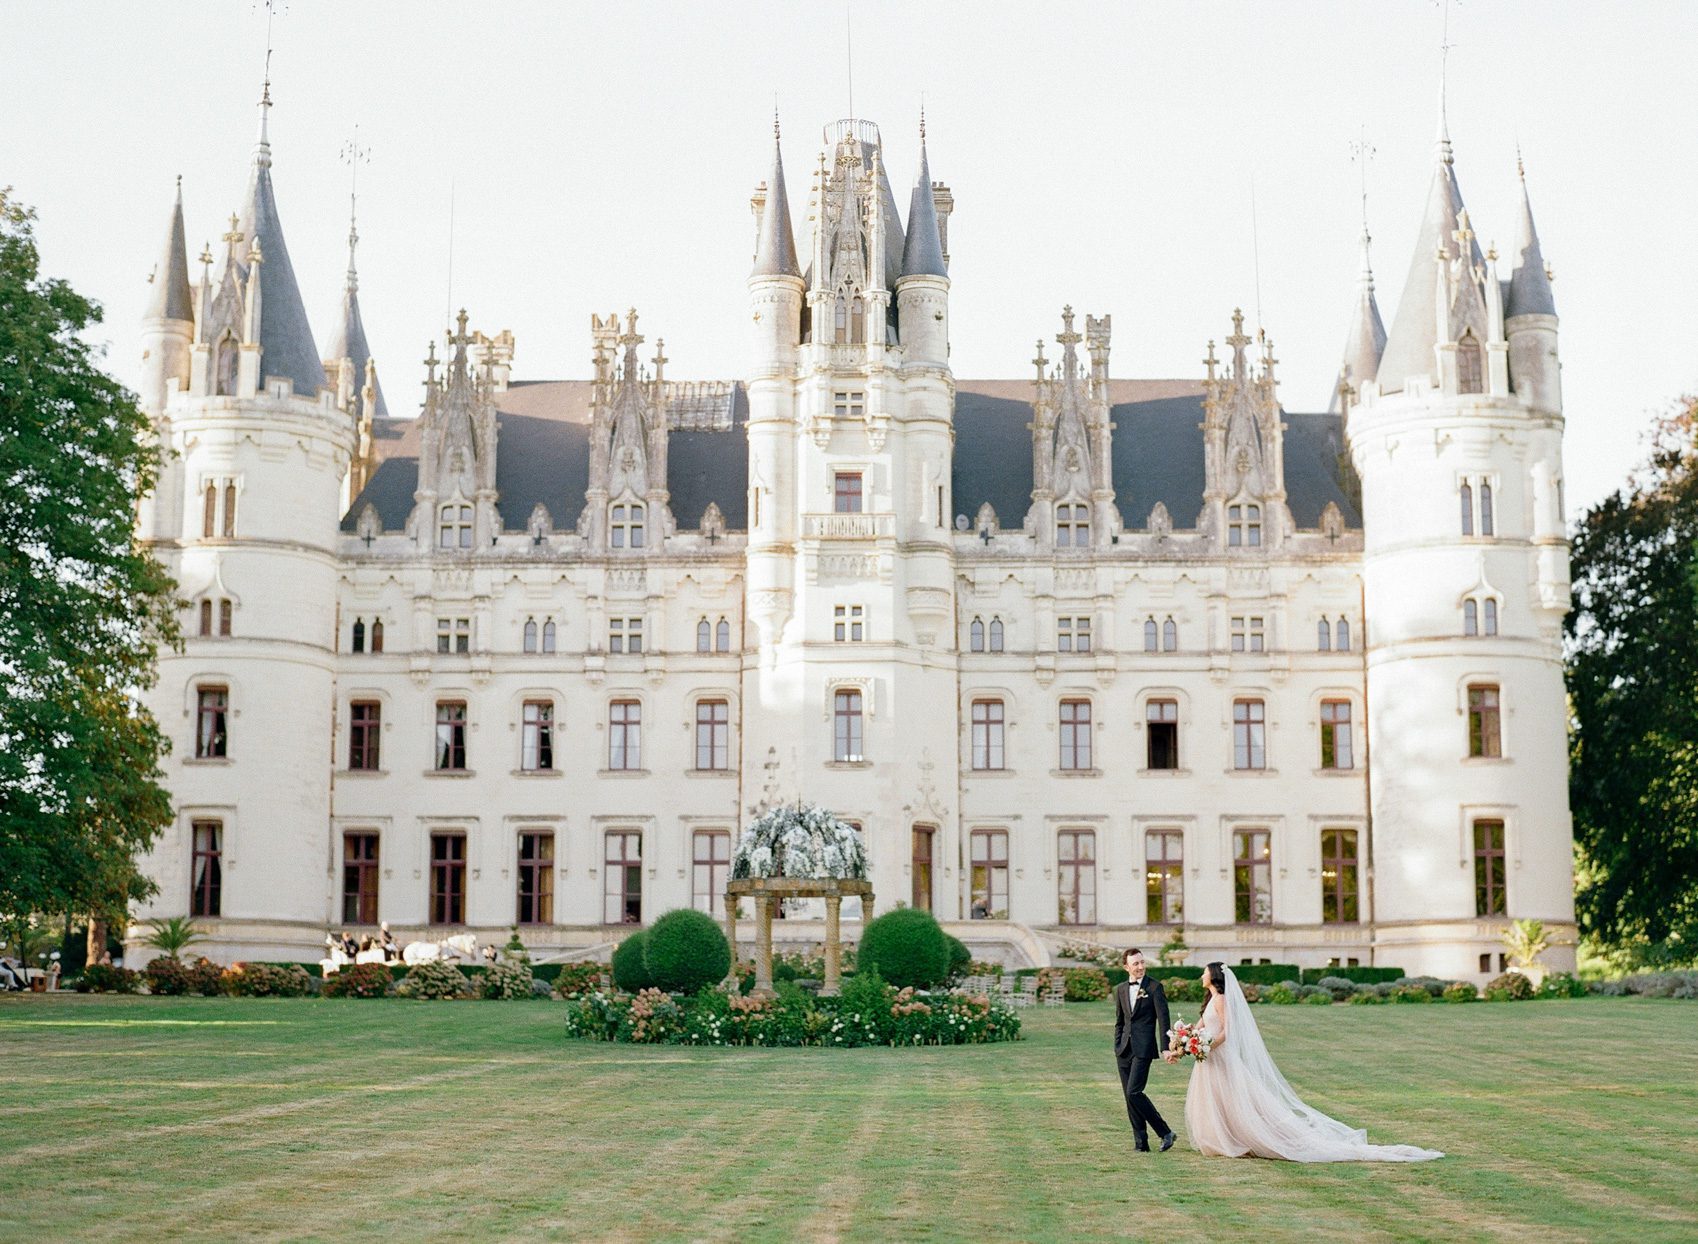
x=1279, y=1118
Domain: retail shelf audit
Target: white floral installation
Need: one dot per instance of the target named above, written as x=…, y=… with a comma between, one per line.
x=800, y=840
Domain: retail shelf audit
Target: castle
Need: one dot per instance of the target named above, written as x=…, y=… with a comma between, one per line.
x=1085, y=658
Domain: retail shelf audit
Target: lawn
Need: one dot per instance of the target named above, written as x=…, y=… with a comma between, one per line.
x=149, y=1118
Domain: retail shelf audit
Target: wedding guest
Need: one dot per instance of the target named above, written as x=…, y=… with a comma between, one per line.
x=391, y=949
x=349, y=946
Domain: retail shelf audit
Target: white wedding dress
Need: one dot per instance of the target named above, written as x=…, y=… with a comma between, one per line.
x=1238, y=1104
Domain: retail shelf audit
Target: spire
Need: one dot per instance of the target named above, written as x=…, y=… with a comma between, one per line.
x=1530, y=282
x=349, y=340
x=922, y=252
x=1366, y=341
x=172, y=297
x=775, y=248
x=286, y=342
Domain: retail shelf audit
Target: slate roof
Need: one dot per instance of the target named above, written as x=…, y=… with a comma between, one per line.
x=172, y=298
x=285, y=337
x=543, y=455
x=1529, y=287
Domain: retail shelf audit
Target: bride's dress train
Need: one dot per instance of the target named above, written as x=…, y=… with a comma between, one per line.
x=1239, y=1105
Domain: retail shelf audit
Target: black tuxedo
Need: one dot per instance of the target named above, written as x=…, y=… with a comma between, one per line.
x=1140, y=1035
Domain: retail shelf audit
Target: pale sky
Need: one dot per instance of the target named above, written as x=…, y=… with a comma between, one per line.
x=601, y=156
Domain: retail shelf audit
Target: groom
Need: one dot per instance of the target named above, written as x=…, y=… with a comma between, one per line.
x=1140, y=1037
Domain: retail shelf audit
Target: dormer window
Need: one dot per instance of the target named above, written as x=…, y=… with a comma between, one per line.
x=626, y=528
x=454, y=526
x=224, y=371
x=1072, y=526
x=1470, y=364
x=1244, y=526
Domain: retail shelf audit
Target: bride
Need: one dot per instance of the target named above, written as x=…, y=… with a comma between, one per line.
x=1239, y=1105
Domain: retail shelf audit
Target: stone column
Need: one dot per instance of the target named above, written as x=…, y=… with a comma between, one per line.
x=833, y=945
x=763, y=944
x=731, y=936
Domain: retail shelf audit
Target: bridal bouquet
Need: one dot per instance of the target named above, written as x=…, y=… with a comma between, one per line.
x=1188, y=1039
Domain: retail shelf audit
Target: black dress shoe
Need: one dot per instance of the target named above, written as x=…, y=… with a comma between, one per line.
x=1167, y=1142
x=1142, y=1146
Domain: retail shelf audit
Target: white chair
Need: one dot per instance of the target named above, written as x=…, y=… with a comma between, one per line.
x=1055, y=991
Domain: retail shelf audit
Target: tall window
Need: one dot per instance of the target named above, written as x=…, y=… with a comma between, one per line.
x=448, y=878
x=1164, y=876
x=713, y=734
x=722, y=636
x=1470, y=369
x=211, y=739
x=976, y=635
x=1249, y=734
x=1467, y=496
x=1470, y=617
x=857, y=321
x=206, y=618
x=1072, y=526
x=996, y=635
x=1486, y=523
x=359, y=878
x=532, y=635
x=1323, y=636
x=1252, y=877
x=359, y=637
x=454, y=635
x=1073, y=635
x=924, y=836
x=1161, y=724
x=1339, y=887
x=536, y=745
x=1335, y=735
x=623, y=868
x=1249, y=634
x=454, y=526
x=704, y=636
x=536, y=877
x=1488, y=869
x=1076, y=874
x=846, y=726
x=1169, y=636
x=209, y=512
x=1152, y=636
x=626, y=529
x=229, y=509
x=1343, y=644
x=225, y=609
x=1484, y=738
x=988, y=722
x=710, y=865
x=1244, y=526
x=1490, y=612
x=625, y=735
x=365, y=729
x=377, y=635
x=549, y=635
x=842, y=320
x=846, y=493
x=206, y=875
x=989, y=878
x=624, y=635
x=848, y=624
x=450, y=735
x=1076, y=734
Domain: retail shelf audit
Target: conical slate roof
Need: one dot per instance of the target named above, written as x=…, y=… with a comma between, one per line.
x=349, y=339
x=1366, y=341
x=172, y=297
x=775, y=248
x=922, y=251
x=1529, y=285
x=285, y=337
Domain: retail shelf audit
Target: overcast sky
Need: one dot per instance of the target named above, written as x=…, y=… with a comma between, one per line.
x=601, y=156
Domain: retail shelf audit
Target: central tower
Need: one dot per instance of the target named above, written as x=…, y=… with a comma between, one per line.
x=851, y=408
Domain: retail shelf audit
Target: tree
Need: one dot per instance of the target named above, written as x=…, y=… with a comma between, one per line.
x=83, y=607
x=1633, y=692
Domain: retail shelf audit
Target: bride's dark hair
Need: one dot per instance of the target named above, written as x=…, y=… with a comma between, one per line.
x=1214, y=974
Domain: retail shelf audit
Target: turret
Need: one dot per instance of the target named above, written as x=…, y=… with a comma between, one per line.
x=348, y=344
x=1530, y=317
x=922, y=291
x=168, y=324
x=1365, y=342
x=775, y=280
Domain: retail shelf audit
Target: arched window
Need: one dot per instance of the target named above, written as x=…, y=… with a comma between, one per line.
x=1467, y=510
x=976, y=635
x=1323, y=636
x=722, y=636
x=530, y=634
x=209, y=512
x=842, y=320
x=1169, y=636
x=626, y=531
x=1152, y=640
x=206, y=617
x=1485, y=509
x=377, y=635
x=1491, y=616
x=224, y=611
x=704, y=636
x=1244, y=526
x=996, y=635
x=1343, y=644
x=1470, y=617
x=1470, y=369
x=359, y=644
x=224, y=370
x=454, y=526
x=1072, y=526
x=229, y=509
x=857, y=321
x=548, y=634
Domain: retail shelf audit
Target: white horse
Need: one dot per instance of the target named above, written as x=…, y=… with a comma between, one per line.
x=460, y=946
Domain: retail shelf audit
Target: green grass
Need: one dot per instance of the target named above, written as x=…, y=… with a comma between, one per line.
x=152, y=1118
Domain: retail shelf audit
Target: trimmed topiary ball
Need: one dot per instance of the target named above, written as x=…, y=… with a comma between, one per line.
x=907, y=947
x=684, y=951
x=630, y=973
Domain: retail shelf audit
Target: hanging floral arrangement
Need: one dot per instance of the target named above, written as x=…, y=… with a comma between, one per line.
x=800, y=840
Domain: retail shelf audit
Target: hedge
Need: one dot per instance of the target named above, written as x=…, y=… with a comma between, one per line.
x=1359, y=976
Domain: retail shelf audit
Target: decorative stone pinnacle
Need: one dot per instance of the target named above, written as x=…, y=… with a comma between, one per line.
x=235, y=235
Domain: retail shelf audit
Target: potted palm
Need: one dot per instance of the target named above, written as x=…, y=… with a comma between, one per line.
x=173, y=935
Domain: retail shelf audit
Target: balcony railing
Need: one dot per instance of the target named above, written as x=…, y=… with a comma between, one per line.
x=848, y=526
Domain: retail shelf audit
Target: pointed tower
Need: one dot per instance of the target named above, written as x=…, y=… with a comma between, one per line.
x=625, y=505
x=348, y=344
x=1461, y=487
x=1072, y=493
x=1530, y=317
x=1364, y=343
x=922, y=291
x=1244, y=450
x=454, y=510
x=168, y=324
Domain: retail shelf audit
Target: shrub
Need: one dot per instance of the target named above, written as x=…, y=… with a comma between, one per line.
x=906, y=947
x=578, y=978
x=362, y=980
x=630, y=972
x=1252, y=991
x=104, y=978
x=1410, y=993
x=205, y=977
x=1085, y=984
x=1561, y=985
x=1510, y=987
x=1183, y=989
x=1460, y=991
x=1366, y=997
x=863, y=1009
x=1319, y=998
x=1117, y=977
x=1340, y=987
x=654, y=1018
x=507, y=982
x=1166, y=973
x=168, y=977
x=685, y=951
x=268, y=980
x=1265, y=973
x=1305, y=992
x=434, y=982
x=595, y=1016
x=960, y=958
x=1357, y=976
x=1282, y=994
x=979, y=967
x=1432, y=984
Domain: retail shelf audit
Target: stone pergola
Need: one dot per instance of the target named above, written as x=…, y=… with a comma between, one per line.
x=766, y=891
